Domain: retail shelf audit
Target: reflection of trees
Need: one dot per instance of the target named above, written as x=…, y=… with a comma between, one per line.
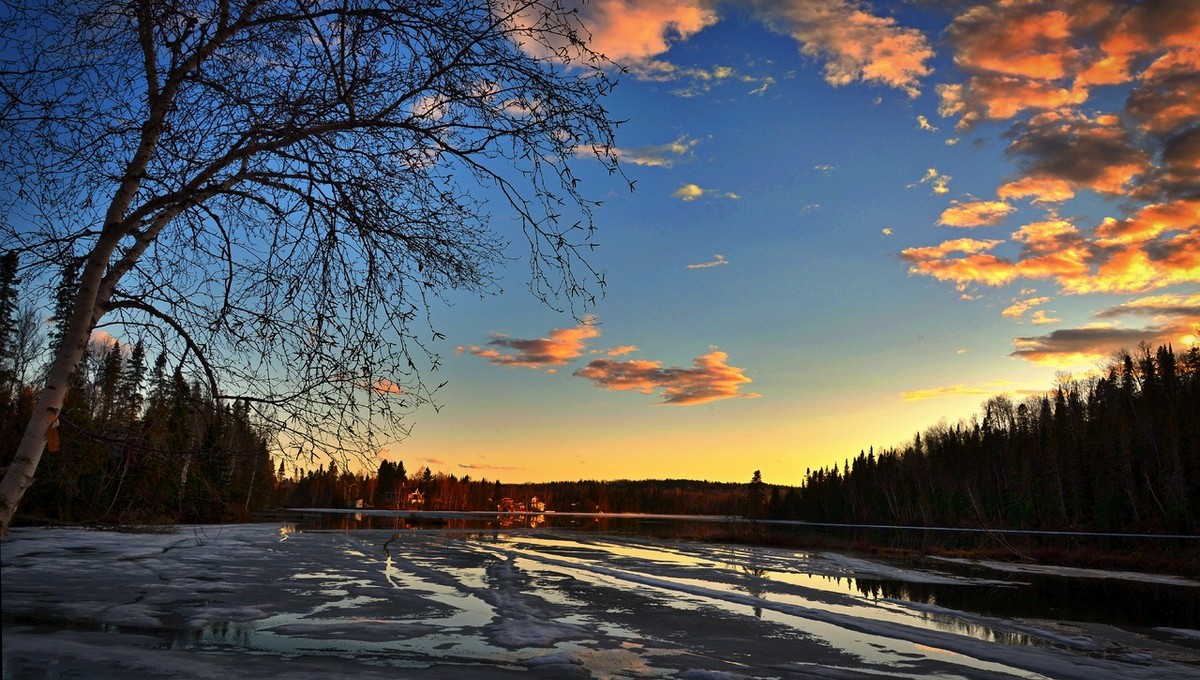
x=755, y=580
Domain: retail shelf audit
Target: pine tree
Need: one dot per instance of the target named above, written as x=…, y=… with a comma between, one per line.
x=130, y=389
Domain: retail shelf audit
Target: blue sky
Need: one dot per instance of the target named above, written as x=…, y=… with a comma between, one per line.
x=851, y=220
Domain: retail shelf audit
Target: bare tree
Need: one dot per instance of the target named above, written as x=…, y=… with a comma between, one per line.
x=270, y=190
x=26, y=344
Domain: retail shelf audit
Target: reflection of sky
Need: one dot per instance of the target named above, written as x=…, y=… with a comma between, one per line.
x=869, y=228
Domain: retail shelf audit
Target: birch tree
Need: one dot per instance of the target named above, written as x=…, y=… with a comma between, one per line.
x=272, y=191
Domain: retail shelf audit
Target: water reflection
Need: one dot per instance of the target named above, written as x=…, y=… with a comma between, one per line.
x=1108, y=601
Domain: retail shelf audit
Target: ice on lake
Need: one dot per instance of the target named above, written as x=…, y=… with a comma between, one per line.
x=266, y=601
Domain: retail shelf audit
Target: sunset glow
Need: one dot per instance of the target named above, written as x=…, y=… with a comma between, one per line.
x=851, y=219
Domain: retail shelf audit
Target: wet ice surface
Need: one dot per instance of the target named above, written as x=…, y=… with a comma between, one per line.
x=255, y=601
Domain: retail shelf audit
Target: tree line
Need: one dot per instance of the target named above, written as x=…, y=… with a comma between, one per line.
x=392, y=488
x=135, y=441
x=1118, y=451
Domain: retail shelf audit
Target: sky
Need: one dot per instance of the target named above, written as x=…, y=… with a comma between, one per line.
x=851, y=220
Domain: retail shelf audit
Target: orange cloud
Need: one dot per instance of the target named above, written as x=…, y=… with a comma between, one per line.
x=621, y=350
x=1165, y=251
x=986, y=269
x=385, y=386
x=1018, y=39
x=1168, y=95
x=856, y=45
x=1128, y=270
x=1061, y=264
x=994, y=97
x=1044, y=55
x=710, y=379
x=563, y=346
x=1046, y=231
x=1150, y=222
x=969, y=246
x=629, y=30
x=1041, y=189
x=975, y=213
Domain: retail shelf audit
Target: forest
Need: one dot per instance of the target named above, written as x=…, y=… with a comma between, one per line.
x=137, y=442
x=1117, y=451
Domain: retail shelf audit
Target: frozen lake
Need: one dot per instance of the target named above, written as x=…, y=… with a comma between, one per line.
x=264, y=600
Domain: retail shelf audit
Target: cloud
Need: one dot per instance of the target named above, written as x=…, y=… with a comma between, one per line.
x=1039, y=318
x=1168, y=305
x=1167, y=98
x=660, y=155
x=385, y=386
x=1018, y=307
x=691, y=192
x=824, y=168
x=939, y=182
x=887, y=231
x=1019, y=56
x=1044, y=59
x=710, y=378
x=561, y=347
x=975, y=265
x=1037, y=189
x=1095, y=153
x=974, y=213
x=718, y=260
x=1149, y=223
x=857, y=46
x=1087, y=345
x=1156, y=247
x=1174, y=316
x=924, y=124
x=483, y=466
x=620, y=350
x=958, y=390
x=688, y=192
x=969, y=246
x=1052, y=231
x=635, y=31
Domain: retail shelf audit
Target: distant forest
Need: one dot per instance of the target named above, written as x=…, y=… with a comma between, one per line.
x=137, y=442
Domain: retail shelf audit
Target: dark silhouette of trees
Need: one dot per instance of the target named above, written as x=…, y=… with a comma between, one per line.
x=268, y=192
x=1116, y=452
x=123, y=456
